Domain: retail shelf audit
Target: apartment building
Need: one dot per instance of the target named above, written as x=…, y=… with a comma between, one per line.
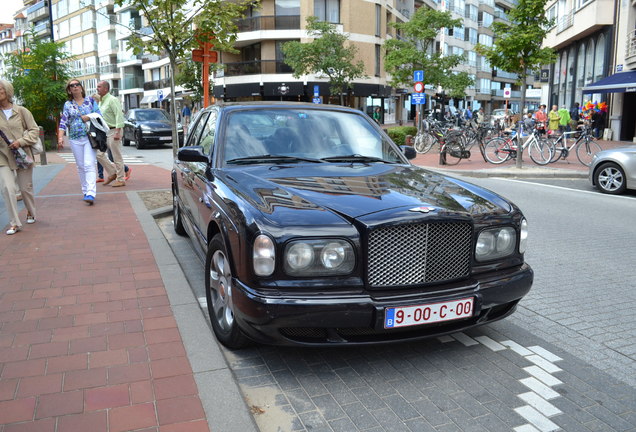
x=596, y=45
x=12, y=37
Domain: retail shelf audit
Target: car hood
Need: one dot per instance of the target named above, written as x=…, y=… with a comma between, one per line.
x=356, y=190
x=155, y=124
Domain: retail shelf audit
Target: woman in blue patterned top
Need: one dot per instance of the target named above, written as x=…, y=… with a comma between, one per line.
x=75, y=113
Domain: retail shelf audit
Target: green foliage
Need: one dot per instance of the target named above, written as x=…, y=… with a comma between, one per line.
x=171, y=32
x=325, y=55
x=415, y=51
x=39, y=75
x=398, y=133
x=517, y=45
x=189, y=77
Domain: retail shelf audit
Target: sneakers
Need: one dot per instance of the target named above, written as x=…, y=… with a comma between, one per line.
x=110, y=179
x=100, y=180
x=118, y=184
x=88, y=199
x=128, y=174
x=30, y=219
x=14, y=229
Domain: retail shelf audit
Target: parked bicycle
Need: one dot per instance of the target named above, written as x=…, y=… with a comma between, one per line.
x=585, y=145
x=499, y=150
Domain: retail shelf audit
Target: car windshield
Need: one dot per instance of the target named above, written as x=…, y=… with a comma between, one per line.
x=301, y=135
x=151, y=115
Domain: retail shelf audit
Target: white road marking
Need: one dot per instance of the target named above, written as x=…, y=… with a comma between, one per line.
x=517, y=348
x=540, y=404
x=465, y=339
x=536, y=418
x=543, y=363
x=538, y=387
x=203, y=302
x=545, y=353
x=542, y=376
x=493, y=345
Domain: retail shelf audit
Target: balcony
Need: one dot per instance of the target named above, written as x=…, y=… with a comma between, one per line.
x=132, y=82
x=565, y=22
x=42, y=29
x=630, y=52
x=291, y=22
x=38, y=11
x=580, y=22
x=505, y=75
x=256, y=68
x=108, y=69
x=157, y=84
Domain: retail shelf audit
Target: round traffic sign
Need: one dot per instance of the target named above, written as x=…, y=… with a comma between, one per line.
x=418, y=87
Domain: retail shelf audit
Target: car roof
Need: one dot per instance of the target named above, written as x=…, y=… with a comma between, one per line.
x=231, y=106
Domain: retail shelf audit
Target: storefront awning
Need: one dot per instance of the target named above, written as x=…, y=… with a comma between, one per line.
x=618, y=83
x=148, y=99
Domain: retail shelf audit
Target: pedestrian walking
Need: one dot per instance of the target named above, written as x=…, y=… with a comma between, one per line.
x=18, y=132
x=111, y=110
x=480, y=115
x=100, y=168
x=553, y=119
x=541, y=119
x=564, y=119
x=74, y=115
x=377, y=115
x=575, y=115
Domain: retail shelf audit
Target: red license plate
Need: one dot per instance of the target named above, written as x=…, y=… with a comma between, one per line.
x=428, y=313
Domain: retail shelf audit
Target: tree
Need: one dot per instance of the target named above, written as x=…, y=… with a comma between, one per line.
x=415, y=50
x=39, y=74
x=325, y=55
x=517, y=46
x=179, y=26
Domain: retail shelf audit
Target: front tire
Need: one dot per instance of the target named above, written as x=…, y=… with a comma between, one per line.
x=497, y=150
x=609, y=178
x=218, y=292
x=139, y=140
x=585, y=151
x=541, y=151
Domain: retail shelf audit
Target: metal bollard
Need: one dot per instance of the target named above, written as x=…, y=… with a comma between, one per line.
x=43, y=154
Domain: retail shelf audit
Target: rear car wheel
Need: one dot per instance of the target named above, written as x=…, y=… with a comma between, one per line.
x=218, y=292
x=610, y=178
x=177, y=220
x=125, y=142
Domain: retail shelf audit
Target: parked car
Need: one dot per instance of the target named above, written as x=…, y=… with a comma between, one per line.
x=500, y=114
x=316, y=230
x=614, y=171
x=149, y=126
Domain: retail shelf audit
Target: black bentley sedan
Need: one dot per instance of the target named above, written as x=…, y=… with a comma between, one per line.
x=149, y=126
x=316, y=230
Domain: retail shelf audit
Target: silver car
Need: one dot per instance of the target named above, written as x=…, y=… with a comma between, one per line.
x=613, y=171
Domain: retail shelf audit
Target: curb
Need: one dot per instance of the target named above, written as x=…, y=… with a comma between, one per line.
x=220, y=395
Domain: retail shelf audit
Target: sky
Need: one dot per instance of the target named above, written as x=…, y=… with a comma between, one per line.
x=7, y=9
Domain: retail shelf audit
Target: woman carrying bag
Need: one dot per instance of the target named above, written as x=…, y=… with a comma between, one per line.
x=18, y=132
x=75, y=113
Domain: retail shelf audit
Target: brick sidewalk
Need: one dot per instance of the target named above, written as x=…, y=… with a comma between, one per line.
x=88, y=340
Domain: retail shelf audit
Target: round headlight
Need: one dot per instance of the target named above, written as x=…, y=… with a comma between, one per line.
x=485, y=244
x=505, y=240
x=333, y=255
x=263, y=256
x=299, y=256
x=523, y=238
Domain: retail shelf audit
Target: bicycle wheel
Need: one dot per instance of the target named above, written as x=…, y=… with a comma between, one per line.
x=586, y=149
x=497, y=150
x=452, y=152
x=541, y=151
x=423, y=142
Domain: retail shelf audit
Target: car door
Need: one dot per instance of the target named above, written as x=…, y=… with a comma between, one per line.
x=186, y=173
x=202, y=188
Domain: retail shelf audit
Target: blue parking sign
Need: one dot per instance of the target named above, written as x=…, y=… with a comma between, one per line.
x=418, y=98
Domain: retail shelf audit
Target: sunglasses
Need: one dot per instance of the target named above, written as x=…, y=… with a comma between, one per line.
x=75, y=85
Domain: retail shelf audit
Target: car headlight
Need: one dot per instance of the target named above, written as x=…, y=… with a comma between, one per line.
x=318, y=257
x=263, y=256
x=495, y=243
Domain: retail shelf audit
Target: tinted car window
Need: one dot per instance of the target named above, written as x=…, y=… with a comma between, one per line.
x=195, y=133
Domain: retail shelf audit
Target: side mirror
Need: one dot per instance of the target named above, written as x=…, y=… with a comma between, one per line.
x=192, y=154
x=409, y=152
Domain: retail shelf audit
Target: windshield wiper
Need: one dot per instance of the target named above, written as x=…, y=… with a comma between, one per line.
x=270, y=158
x=355, y=158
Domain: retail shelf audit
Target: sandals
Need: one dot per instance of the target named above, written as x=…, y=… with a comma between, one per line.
x=14, y=229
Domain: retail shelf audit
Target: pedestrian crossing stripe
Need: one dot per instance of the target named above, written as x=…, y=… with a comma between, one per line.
x=128, y=160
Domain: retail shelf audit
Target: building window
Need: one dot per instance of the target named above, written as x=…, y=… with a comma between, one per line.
x=485, y=40
x=599, y=58
x=287, y=7
x=378, y=20
x=580, y=74
x=327, y=10
x=589, y=63
x=377, y=60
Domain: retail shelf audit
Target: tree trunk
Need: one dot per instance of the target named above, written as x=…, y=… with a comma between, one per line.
x=524, y=84
x=173, y=108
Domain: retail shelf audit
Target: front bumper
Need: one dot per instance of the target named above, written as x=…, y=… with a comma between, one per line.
x=324, y=319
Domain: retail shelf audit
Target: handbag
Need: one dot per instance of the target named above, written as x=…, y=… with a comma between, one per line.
x=37, y=148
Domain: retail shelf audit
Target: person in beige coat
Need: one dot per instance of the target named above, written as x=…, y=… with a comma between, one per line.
x=19, y=127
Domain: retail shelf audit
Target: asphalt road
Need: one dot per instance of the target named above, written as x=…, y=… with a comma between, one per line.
x=564, y=361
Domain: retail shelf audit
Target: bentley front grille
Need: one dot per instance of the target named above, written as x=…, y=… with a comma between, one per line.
x=414, y=254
